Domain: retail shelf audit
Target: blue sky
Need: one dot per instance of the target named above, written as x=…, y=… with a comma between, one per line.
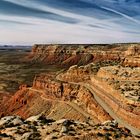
x=69, y=21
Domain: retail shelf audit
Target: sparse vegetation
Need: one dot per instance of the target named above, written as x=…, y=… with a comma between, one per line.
x=31, y=131
x=14, y=70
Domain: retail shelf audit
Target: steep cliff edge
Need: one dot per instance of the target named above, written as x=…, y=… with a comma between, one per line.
x=68, y=55
x=65, y=55
x=119, y=87
x=132, y=56
x=46, y=92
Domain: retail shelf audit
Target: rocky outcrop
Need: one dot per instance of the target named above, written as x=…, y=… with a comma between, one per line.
x=117, y=101
x=42, y=128
x=132, y=56
x=132, y=61
x=56, y=89
x=3, y=99
x=119, y=73
x=134, y=50
x=65, y=55
x=79, y=73
x=15, y=103
x=46, y=92
x=68, y=55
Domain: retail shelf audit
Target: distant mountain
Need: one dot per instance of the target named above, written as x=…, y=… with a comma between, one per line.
x=14, y=47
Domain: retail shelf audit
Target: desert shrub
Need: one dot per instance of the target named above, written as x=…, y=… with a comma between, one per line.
x=107, y=136
x=54, y=137
x=100, y=134
x=4, y=135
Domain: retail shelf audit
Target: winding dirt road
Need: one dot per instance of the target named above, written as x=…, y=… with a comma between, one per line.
x=105, y=106
x=95, y=91
x=71, y=104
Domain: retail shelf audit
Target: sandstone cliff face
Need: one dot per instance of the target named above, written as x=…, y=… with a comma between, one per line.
x=57, y=54
x=132, y=61
x=78, y=74
x=134, y=50
x=107, y=55
x=48, y=92
x=19, y=100
x=70, y=92
x=115, y=99
x=132, y=56
x=68, y=55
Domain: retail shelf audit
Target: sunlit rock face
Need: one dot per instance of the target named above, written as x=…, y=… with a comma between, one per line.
x=132, y=56
x=68, y=55
x=134, y=50
x=47, y=92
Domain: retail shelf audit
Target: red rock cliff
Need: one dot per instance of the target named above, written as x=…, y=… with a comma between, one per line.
x=67, y=55
x=54, y=89
x=132, y=56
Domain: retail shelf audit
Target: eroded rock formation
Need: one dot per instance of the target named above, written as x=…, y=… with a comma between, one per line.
x=49, y=89
x=67, y=55
x=109, y=83
x=132, y=56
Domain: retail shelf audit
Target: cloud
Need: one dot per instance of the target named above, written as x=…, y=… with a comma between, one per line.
x=69, y=21
x=123, y=15
x=14, y=22
x=11, y=7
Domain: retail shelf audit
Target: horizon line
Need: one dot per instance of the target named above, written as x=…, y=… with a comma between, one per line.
x=69, y=44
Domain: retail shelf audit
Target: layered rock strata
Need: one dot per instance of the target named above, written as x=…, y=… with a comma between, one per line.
x=132, y=56
x=46, y=92
x=112, y=95
x=56, y=89
x=67, y=55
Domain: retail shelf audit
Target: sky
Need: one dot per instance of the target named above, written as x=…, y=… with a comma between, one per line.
x=26, y=22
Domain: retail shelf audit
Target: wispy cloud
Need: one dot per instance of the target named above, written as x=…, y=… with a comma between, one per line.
x=69, y=21
x=122, y=14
